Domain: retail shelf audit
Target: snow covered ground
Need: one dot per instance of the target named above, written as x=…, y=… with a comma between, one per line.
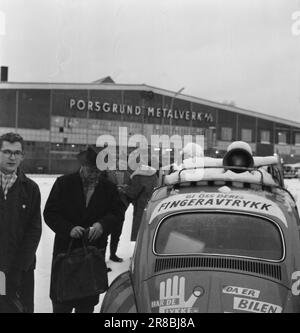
x=125, y=250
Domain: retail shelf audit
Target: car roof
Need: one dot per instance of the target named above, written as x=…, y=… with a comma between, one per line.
x=296, y=165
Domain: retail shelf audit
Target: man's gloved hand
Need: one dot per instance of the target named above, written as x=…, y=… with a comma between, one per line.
x=77, y=232
x=95, y=231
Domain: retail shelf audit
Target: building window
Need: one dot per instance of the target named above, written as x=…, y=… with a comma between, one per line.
x=297, y=139
x=246, y=135
x=57, y=121
x=282, y=137
x=265, y=136
x=226, y=134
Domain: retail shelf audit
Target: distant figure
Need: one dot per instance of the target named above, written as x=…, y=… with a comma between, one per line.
x=190, y=156
x=20, y=227
x=143, y=180
x=120, y=179
x=79, y=201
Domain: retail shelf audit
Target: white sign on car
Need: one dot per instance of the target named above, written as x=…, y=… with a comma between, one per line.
x=223, y=201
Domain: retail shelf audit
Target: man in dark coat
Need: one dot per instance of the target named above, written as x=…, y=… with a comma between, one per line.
x=120, y=179
x=143, y=182
x=20, y=227
x=79, y=201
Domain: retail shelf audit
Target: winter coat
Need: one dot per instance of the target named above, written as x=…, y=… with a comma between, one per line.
x=120, y=179
x=20, y=226
x=139, y=191
x=65, y=209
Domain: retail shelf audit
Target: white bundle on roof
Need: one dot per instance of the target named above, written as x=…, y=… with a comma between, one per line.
x=219, y=174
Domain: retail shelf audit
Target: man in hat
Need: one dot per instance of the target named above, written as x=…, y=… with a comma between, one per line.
x=79, y=201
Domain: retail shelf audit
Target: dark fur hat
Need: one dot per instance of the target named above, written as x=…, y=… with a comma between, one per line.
x=87, y=157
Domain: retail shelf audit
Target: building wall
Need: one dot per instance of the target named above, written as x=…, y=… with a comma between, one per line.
x=36, y=104
x=8, y=108
x=227, y=119
x=247, y=123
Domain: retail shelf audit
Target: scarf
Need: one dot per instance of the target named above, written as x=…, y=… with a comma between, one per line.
x=7, y=181
x=89, y=182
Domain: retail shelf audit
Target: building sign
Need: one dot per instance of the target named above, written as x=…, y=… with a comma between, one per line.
x=137, y=110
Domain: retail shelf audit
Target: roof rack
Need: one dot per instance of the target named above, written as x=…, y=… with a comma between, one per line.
x=271, y=176
x=269, y=179
x=224, y=168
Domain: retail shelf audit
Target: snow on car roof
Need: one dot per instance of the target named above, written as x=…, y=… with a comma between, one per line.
x=207, y=168
x=218, y=162
x=232, y=201
x=219, y=174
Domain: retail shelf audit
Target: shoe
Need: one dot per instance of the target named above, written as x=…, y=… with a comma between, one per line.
x=115, y=258
x=108, y=269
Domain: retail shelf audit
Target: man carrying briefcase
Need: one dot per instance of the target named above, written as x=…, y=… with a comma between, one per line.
x=79, y=201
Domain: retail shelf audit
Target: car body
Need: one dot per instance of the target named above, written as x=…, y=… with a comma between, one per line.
x=220, y=244
x=291, y=170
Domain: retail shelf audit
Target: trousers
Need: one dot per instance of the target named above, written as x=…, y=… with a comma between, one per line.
x=115, y=237
x=24, y=302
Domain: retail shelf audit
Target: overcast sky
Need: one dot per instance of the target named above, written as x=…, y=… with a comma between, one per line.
x=221, y=50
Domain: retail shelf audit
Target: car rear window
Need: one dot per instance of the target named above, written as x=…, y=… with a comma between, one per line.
x=219, y=233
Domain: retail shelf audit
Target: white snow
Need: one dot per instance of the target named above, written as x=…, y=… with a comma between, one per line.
x=125, y=250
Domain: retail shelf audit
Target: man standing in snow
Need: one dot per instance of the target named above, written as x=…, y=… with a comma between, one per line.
x=20, y=226
x=79, y=201
x=120, y=179
x=143, y=181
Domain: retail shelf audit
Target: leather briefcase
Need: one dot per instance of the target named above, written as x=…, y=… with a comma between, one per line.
x=79, y=273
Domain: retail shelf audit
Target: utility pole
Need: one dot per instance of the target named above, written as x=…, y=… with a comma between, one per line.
x=173, y=98
x=87, y=119
x=17, y=111
x=172, y=103
x=170, y=121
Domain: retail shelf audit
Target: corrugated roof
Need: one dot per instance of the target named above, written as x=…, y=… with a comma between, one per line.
x=106, y=79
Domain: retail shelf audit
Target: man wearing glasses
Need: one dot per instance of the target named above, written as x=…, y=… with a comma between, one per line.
x=20, y=227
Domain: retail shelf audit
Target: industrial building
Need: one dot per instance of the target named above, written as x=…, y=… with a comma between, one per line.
x=57, y=120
